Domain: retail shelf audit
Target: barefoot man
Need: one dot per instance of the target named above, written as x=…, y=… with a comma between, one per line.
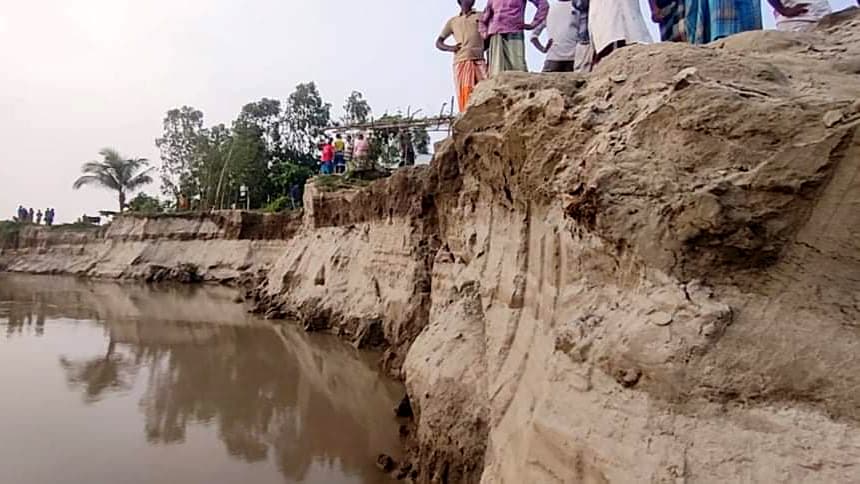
x=470, y=68
x=502, y=23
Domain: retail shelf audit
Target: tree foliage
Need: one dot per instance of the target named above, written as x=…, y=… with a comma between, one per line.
x=180, y=150
x=143, y=203
x=271, y=147
x=306, y=116
x=357, y=109
x=385, y=144
x=114, y=172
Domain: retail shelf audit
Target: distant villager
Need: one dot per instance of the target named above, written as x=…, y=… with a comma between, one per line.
x=39, y=217
x=327, y=158
x=362, y=153
x=339, y=158
x=407, y=150
x=348, y=152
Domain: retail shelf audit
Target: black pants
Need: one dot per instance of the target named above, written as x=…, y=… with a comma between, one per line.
x=558, y=66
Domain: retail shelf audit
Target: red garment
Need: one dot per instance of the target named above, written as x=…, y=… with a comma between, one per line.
x=327, y=153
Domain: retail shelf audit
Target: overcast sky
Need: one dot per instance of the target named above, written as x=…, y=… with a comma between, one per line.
x=79, y=75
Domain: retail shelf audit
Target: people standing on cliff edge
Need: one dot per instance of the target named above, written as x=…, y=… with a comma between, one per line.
x=470, y=67
x=49, y=217
x=568, y=45
x=502, y=24
x=615, y=24
x=31, y=216
x=39, y=217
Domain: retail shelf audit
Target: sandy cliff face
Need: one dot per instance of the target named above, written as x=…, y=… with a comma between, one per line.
x=646, y=274
x=211, y=247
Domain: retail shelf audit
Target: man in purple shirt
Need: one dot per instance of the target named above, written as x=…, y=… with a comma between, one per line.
x=502, y=24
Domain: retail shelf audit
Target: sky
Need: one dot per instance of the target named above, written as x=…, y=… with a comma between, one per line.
x=81, y=75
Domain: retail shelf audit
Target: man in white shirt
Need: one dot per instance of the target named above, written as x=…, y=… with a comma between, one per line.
x=568, y=46
x=799, y=15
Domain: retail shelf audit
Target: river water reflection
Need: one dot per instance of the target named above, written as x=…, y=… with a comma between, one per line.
x=109, y=383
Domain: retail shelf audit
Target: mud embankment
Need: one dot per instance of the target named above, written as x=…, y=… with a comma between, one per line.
x=648, y=274
x=214, y=247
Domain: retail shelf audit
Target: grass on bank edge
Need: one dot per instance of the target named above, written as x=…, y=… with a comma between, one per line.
x=351, y=180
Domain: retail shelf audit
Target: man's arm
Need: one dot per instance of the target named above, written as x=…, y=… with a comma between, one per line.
x=447, y=31
x=656, y=14
x=540, y=16
x=792, y=11
x=536, y=39
x=441, y=45
x=486, y=18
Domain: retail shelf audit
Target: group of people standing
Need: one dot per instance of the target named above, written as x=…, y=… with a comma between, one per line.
x=580, y=33
x=339, y=154
x=29, y=217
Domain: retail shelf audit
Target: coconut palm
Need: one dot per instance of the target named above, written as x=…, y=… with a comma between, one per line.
x=116, y=173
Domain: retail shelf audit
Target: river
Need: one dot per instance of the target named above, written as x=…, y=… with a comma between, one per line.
x=123, y=383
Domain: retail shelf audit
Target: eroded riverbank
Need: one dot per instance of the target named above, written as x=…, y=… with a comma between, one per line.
x=106, y=382
x=645, y=274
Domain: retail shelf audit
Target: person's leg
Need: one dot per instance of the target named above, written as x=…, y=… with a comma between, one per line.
x=468, y=74
x=515, y=52
x=730, y=17
x=584, y=58
x=795, y=26
x=608, y=50
x=497, y=55
x=558, y=66
x=697, y=21
x=673, y=27
x=460, y=85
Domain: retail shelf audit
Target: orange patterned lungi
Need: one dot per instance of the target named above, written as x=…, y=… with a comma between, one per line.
x=467, y=75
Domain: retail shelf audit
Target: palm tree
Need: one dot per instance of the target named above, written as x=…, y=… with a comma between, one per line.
x=116, y=173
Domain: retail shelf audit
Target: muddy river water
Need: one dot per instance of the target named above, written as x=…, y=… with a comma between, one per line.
x=109, y=383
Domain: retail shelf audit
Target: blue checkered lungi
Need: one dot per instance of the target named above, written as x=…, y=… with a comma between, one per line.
x=710, y=20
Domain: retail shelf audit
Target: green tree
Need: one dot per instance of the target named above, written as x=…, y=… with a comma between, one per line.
x=306, y=116
x=249, y=164
x=357, y=109
x=257, y=147
x=123, y=175
x=385, y=143
x=180, y=150
x=143, y=203
x=214, y=155
x=266, y=115
x=287, y=174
